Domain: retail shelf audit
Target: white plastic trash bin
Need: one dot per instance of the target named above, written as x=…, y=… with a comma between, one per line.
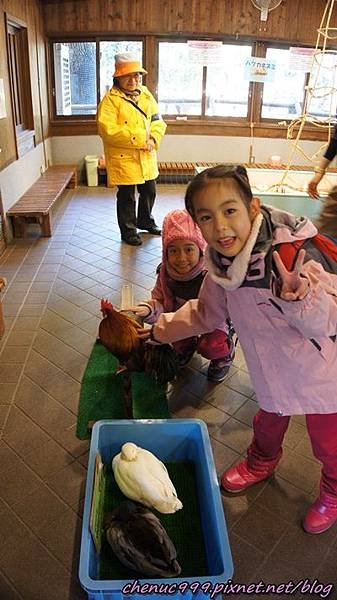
x=91, y=164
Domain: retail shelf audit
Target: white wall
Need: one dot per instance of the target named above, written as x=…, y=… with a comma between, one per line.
x=21, y=174
x=73, y=149
x=189, y=148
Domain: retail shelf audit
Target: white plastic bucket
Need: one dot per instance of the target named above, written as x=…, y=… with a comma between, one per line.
x=91, y=164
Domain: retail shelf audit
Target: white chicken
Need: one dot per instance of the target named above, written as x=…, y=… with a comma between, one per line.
x=144, y=478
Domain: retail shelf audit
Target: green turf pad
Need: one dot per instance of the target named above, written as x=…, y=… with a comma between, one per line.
x=183, y=527
x=101, y=394
x=148, y=399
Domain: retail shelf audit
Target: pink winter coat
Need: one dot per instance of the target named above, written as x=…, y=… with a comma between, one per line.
x=177, y=225
x=289, y=347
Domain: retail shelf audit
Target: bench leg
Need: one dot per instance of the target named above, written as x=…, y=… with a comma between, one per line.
x=73, y=181
x=46, y=225
x=18, y=227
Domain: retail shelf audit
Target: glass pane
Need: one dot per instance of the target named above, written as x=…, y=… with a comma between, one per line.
x=226, y=88
x=179, y=81
x=107, y=60
x=283, y=97
x=75, y=78
x=323, y=81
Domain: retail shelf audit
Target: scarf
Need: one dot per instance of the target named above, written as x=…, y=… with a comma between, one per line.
x=134, y=96
x=230, y=274
x=166, y=274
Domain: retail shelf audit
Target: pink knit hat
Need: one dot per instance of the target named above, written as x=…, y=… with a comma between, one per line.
x=179, y=225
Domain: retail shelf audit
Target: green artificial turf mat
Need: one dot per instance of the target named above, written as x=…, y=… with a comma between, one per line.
x=101, y=394
x=183, y=527
x=148, y=399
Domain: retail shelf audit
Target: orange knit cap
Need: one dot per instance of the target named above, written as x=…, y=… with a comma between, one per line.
x=127, y=63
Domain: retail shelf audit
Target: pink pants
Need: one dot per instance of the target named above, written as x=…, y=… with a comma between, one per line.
x=210, y=345
x=266, y=447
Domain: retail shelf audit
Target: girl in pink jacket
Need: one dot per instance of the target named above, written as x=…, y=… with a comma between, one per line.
x=180, y=276
x=285, y=318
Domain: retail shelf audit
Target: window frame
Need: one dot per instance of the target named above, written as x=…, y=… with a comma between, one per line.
x=204, y=118
x=280, y=46
x=253, y=124
x=85, y=118
x=17, y=44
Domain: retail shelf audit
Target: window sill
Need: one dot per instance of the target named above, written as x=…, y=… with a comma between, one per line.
x=240, y=128
x=195, y=126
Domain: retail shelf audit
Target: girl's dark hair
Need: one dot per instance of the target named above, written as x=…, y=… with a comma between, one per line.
x=227, y=171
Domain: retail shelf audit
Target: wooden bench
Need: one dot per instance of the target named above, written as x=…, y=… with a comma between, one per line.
x=38, y=201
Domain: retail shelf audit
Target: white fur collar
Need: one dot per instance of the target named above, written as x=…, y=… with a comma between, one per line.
x=237, y=271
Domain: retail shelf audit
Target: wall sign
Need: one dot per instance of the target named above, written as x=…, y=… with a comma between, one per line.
x=300, y=59
x=202, y=52
x=259, y=69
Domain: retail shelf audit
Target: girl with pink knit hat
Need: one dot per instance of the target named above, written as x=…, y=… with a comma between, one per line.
x=180, y=276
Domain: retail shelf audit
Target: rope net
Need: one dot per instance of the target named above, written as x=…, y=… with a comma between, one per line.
x=321, y=85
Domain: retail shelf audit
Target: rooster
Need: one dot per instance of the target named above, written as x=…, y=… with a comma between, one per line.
x=118, y=331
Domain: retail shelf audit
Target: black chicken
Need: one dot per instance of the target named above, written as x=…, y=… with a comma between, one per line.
x=140, y=541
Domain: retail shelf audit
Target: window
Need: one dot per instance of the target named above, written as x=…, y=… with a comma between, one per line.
x=283, y=98
x=226, y=88
x=107, y=60
x=21, y=96
x=186, y=87
x=220, y=96
x=76, y=76
x=323, y=101
x=179, y=83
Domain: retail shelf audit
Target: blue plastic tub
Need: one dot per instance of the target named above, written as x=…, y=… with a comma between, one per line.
x=170, y=440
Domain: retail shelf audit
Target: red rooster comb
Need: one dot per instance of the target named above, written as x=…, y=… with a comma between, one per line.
x=106, y=307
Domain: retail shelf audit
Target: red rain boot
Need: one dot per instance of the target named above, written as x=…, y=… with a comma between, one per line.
x=321, y=515
x=240, y=477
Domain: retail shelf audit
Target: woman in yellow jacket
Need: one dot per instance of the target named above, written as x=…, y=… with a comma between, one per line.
x=131, y=129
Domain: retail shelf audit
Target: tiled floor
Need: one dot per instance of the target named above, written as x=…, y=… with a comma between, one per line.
x=52, y=314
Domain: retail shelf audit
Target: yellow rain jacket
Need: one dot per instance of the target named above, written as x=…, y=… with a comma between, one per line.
x=124, y=128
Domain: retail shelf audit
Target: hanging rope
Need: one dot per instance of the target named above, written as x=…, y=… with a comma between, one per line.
x=314, y=90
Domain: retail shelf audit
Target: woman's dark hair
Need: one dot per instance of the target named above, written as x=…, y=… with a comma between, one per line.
x=227, y=171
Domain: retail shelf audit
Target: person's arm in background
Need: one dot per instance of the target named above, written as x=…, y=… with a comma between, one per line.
x=157, y=125
x=324, y=162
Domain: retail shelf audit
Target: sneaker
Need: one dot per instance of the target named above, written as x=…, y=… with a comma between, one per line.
x=132, y=239
x=319, y=517
x=218, y=370
x=239, y=477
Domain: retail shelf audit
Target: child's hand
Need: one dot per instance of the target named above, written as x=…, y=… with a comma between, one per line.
x=144, y=334
x=293, y=285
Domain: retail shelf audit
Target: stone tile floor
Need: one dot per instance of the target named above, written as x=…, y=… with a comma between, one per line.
x=51, y=307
